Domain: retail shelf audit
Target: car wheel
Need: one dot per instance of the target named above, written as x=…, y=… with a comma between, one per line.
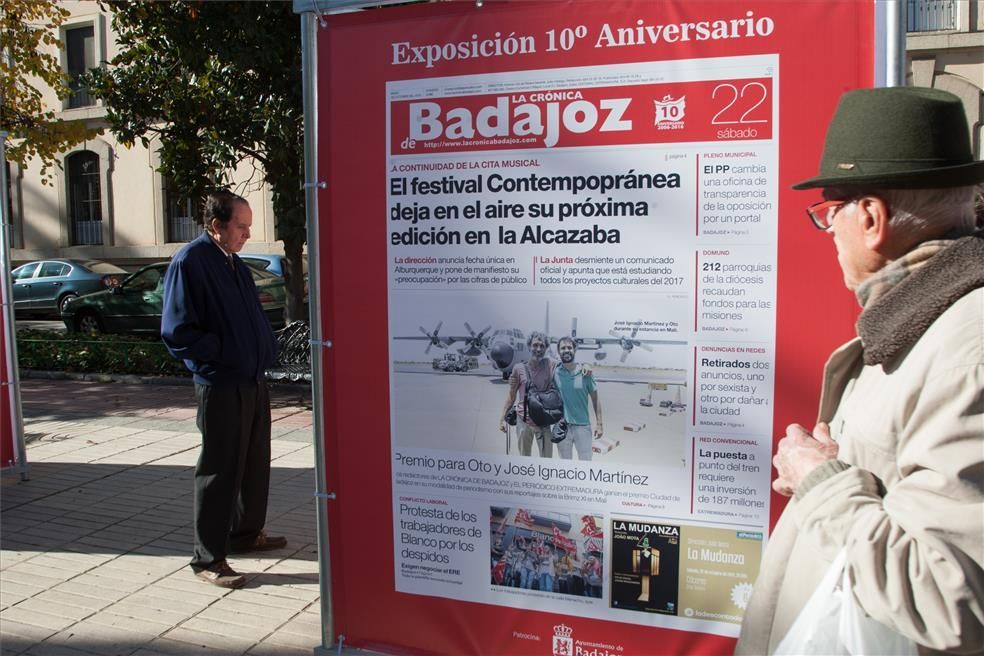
x=65, y=300
x=88, y=323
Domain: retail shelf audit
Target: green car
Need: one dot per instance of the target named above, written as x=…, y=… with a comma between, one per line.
x=135, y=305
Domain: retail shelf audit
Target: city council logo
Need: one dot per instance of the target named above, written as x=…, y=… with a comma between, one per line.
x=563, y=644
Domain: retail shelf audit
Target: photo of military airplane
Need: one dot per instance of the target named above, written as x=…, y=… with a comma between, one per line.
x=506, y=347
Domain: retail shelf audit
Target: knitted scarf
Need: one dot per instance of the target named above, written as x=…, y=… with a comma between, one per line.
x=903, y=300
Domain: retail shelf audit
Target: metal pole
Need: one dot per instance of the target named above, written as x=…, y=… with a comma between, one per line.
x=309, y=66
x=894, y=47
x=9, y=327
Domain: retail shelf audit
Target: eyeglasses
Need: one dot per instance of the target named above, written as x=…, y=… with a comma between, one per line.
x=822, y=213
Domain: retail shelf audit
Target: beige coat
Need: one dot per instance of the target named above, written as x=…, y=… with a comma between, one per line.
x=906, y=498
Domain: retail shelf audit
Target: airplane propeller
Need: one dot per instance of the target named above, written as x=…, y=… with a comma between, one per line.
x=629, y=343
x=477, y=343
x=434, y=339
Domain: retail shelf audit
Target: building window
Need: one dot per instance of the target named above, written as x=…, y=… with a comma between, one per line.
x=84, y=198
x=180, y=223
x=931, y=15
x=80, y=51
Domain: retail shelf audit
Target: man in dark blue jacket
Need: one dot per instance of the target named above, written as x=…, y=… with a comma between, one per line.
x=213, y=321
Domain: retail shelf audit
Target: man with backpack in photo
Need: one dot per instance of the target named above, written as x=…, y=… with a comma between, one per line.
x=536, y=374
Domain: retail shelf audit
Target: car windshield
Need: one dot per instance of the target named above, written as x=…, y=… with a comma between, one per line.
x=144, y=281
x=264, y=263
x=102, y=267
x=261, y=274
x=255, y=262
x=25, y=271
x=54, y=269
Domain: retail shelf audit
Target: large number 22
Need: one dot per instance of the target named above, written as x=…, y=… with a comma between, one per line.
x=753, y=89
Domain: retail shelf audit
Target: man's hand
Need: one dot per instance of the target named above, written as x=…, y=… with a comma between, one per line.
x=598, y=431
x=503, y=426
x=799, y=453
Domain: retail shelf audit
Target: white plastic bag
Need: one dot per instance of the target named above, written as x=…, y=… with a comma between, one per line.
x=832, y=624
x=864, y=636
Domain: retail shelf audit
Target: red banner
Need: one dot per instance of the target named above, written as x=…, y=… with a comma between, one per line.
x=590, y=528
x=406, y=94
x=563, y=542
x=7, y=452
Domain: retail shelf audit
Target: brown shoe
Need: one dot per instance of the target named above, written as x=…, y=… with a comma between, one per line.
x=262, y=542
x=222, y=575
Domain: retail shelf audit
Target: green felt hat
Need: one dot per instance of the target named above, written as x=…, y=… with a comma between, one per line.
x=897, y=138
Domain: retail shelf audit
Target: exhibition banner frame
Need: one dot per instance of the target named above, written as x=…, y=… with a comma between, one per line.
x=618, y=173
x=13, y=455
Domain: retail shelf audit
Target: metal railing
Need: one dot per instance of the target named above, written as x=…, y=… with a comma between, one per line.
x=182, y=228
x=931, y=15
x=87, y=233
x=80, y=97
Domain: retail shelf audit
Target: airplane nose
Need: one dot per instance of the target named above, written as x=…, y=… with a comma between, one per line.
x=501, y=355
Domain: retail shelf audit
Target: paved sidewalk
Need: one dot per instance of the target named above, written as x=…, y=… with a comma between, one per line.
x=95, y=545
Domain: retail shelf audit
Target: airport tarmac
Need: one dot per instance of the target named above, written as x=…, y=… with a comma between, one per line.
x=461, y=411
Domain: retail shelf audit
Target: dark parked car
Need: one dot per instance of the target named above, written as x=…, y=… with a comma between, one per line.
x=273, y=263
x=277, y=264
x=47, y=286
x=135, y=305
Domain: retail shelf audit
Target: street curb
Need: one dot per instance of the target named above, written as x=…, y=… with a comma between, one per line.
x=133, y=379
x=104, y=378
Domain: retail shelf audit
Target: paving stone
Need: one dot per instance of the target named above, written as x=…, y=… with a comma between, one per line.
x=101, y=639
x=265, y=649
x=222, y=614
x=54, y=649
x=238, y=633
x=24, y=590
x=150, y=626
x=251, y=607
x=102, y=593
x=181, y=648
x=104, y=579
x=138, y=611
x=289, y=639
x=210, y=641
x=16, y=574
x=17, y=614
x=56, y=597
x=54, y=608
x=25, y=633
x=303, y=625
x=261, y=597
x=86, y=560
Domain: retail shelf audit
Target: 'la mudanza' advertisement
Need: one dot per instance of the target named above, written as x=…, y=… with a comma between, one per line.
x=624, y=217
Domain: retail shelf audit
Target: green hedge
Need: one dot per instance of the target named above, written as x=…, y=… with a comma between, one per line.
x=107, y=354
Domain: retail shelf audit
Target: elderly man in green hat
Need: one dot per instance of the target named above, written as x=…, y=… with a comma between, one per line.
x=891, y=477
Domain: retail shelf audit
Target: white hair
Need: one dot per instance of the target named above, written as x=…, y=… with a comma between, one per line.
x=917, y=211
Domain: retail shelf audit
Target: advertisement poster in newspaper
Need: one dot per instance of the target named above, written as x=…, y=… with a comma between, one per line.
x=631, y=208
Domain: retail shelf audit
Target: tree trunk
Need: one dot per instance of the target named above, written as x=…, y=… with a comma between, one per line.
x=296, y=281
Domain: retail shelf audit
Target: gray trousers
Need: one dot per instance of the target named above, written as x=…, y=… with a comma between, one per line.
x=578, y=437
x=528, y=434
